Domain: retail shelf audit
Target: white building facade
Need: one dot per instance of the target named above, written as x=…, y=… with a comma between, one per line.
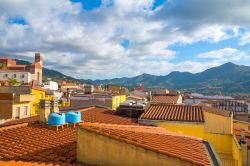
x=19, y=76
x=51, y=85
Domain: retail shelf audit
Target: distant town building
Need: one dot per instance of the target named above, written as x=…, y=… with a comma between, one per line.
x=131, y=108
x=158, y=91
x=116, y=89
x=50, y=85
x=211, y=124
x=15, y=102
x=21, y=73
x=68, y=85
x=177, y=99
x=161, y=91
x=107, y=100
x=88, y=89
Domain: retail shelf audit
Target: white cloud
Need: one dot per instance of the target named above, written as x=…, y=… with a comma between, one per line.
x=87, y=43
x=245, y=39
x=225, y=54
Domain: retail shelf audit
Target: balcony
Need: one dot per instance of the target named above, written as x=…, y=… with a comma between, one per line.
x=24, y=98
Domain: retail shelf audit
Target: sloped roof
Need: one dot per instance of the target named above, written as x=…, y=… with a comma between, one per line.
x=166, y=99
x=155, y=139
x=34, y=142
x=174, y=113
x=102, y=115
x=186, y=113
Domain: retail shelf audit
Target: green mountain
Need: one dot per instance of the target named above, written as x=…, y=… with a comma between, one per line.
x=227, y=78
x=53, y=74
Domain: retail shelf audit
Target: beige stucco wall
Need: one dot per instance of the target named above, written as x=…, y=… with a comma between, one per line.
x=21, y=105
x=96, y=149
x=218, y=124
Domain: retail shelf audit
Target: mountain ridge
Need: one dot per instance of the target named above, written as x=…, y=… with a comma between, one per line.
x=226, y=78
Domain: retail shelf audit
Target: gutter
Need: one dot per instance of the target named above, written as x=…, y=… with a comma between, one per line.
x=214, y=158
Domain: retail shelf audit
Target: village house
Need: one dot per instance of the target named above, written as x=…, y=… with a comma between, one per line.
x=24, y=74
x=210, y=124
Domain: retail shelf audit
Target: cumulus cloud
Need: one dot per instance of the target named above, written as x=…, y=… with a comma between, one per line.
x=225, y=54
x=86, y=44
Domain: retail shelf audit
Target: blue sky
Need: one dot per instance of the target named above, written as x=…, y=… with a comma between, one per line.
x=100, y=39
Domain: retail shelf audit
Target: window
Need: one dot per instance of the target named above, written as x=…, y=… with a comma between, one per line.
x=25, y=110
x=6, y=75
x=17, y=113
x=22, y=76
x=14, y=76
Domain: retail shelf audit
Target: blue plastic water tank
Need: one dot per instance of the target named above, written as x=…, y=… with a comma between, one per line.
x=56, y=119
x=73, y=117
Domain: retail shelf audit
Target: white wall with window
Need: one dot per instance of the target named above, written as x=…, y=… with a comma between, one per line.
x=51, y=85
x=20, y=76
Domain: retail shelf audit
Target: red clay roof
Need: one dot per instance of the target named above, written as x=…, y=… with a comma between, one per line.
x=186, y=113
x=103, y=115
x=23, y=120
x=23, y=163
x=174, y=113
x=155, y=139
x=165, y=99
x=35, y=142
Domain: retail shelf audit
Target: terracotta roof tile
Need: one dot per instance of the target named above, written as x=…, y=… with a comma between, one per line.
x=155, y=139
x=23, y=120
x=173, y=113
x=22, y=163
x=34, y=142
x=179, y=112
x=103, y=115
x=166, y=99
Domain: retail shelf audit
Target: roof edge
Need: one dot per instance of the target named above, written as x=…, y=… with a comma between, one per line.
x=213, y=156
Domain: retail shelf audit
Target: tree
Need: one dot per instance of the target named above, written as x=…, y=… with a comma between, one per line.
x=12, y=81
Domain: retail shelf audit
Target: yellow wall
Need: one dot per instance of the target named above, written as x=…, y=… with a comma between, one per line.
x=224, y=144
x=196, y=130
x=95, y=149
x=65, y=104
x=39, y=94
x=218, y=124
x=117, y=100
x=240, y=124
x=236, y=152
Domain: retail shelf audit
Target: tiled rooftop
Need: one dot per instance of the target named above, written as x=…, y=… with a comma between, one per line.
x=23, y=163
x=34, y=142
x=155, y=139
x=23, y=120
x=166, y=99
x=174, y=113
x=102, y=115
x=179, y=112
